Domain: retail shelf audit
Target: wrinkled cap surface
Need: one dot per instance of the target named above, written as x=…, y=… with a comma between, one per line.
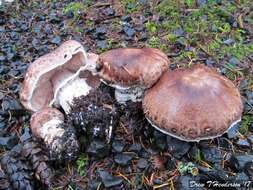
x=43, y=116
x=37, y=90
x=193, y=104
x=127, y=67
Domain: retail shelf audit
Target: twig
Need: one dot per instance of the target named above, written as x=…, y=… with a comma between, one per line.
x=203, y=49
x=101, y=5
x=240, y=21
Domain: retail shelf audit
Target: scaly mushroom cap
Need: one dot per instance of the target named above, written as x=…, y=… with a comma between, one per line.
x=193, y=104
x=37, y=90
x=127, y=67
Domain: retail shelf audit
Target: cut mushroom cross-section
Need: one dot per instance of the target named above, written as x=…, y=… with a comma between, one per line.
x=60, y=139
x=193, y=104
x=54, y=79
x=131, y=70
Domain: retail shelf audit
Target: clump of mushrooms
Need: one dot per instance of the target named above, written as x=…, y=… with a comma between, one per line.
x=193, y=104
x=131, y=70
x=189, y=104
x=55, y=79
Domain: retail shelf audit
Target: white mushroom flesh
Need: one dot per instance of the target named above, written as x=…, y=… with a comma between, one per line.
x=73, y=89
x=132, y=94
x=50, y=130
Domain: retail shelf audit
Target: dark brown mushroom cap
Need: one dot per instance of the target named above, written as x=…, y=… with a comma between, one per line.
x=43, y=116
x=193, y=104
x=132, y=66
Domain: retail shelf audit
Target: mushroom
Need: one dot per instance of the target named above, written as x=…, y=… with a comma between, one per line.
x=193, y=104
x=54, y=79
x=131, y=70
x=60, y=139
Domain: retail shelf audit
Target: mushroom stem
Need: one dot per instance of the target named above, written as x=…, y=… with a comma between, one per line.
x=133, y=94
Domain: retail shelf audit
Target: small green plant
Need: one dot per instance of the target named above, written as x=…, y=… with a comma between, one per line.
x=89, y=23
x=155, y=42
x=81, y=163
x=171, y=38
x=151, y=27
x=225, y=28
x=169, y=8
x=185, y=168
x=197, y=156
x=75, y=7
x=79, y=29
x=130, y=5
x=189, y=3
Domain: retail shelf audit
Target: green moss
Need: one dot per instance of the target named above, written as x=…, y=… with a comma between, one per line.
x=189, y=55
x=169, y=8
x=207, y=26
x=89, y=23
x=130, y=6
x=185, y=168
x=230, y=75
x=151, y=27
x=237, y=50
x=171, y=38
x=75, y=8
x=189, y=3
x=246, y=121
x=155, y=42
x=79, y=30
x=213, y=46
x=109, y=45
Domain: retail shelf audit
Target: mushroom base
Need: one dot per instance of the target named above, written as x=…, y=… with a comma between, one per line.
x=193, y=140
x=59, y=139
x=95, y=114
x=133, y=94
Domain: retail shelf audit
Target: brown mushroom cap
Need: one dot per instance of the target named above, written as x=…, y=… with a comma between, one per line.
x=43, y=116
x=193, y=104
x=37, y=89
x=127, y=67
